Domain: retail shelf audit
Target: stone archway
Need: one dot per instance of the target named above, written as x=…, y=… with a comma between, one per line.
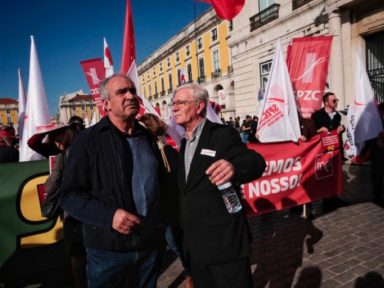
x=218, y=95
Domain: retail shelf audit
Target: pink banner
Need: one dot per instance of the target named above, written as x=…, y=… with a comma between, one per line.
x=296, y=174
x=307, y=60
x=94, y=73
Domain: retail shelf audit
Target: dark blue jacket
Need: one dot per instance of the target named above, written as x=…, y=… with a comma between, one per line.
x=96, y=182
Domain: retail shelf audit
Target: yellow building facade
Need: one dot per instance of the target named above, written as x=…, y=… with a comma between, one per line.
x=9, y=112
x=78, y=104
x=199, y=53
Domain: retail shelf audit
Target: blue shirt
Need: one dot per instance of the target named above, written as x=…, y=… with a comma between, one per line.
x=145, y=184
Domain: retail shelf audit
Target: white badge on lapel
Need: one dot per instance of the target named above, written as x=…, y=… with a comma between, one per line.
x=208, y=152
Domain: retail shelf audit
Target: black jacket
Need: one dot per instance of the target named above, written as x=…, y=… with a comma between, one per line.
x=322, y=119
x=211, y=234
x=96, y=183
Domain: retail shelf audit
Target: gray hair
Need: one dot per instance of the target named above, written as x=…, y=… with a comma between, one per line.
x=198, y=93
x=104, y=83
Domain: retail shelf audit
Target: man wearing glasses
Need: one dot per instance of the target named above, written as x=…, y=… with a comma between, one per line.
x=111, y=184
x=211, y=154
x=327, y=118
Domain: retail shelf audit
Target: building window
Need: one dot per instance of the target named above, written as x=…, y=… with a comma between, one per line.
x=162, y=84
x=9, y=119
x=148, y=75
x=189, y=71
x=216, y=61
x=188, y=50
x=161, y=67
x=214, y=34
x=200, y=43
x=168, y=62
x=265, y=69
x=177, y=57
x=201, y=67
x=170, y=81
x=264, y=4
x=179, y=73
x=154, y=71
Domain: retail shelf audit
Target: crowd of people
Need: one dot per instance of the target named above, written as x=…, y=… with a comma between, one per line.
x=126, y=194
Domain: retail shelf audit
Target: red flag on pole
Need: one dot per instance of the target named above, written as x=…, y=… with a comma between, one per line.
x=307, y=63
x=94, y=73
x=108, y=63
x=226, y=9
x=129, y=50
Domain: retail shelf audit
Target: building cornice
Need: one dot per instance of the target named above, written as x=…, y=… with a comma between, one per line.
x=189, y=33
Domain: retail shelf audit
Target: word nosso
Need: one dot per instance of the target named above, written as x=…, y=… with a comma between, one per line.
x=291, y=167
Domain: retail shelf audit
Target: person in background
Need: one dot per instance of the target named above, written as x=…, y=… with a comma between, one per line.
x=327, y=119
x=246, y=128
x=376, y=148
x=252, y=135
x=8, y=153
x=170, y=207
x=62, y=137
x=230, y=122
x=39, y=144
x=307, y=128
x=112, y=184
x=237, y=123
x=211, y=154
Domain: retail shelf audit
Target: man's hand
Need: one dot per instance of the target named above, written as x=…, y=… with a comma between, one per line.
x=323, y=129
x=220, y=172
x=124, y=222
x=340, y=129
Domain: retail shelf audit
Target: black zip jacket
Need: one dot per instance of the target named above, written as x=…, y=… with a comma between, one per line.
x=96, y=183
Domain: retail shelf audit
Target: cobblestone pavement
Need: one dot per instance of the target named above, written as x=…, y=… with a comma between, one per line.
x=340, y=248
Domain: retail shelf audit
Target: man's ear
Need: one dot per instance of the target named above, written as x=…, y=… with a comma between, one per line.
x=201, y=107
x=105, y=105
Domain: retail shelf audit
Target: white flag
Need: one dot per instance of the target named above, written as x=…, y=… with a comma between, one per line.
x=22, y=103
x=278, y=116
x=363, y=118
x=94, y=119
x=108, y=63
x=132, y=73
x=37, y=112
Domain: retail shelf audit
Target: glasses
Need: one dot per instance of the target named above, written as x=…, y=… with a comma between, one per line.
x=335, y=101
x=182, y=103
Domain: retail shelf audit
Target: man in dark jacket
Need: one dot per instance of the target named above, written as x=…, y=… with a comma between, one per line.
x=327, y=119
x=111, y=184
x=210, y=155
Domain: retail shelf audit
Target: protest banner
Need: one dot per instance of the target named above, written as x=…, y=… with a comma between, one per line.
x=296, y=174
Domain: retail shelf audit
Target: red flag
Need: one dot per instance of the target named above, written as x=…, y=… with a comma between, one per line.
x=108, y=63
x=308, y=67
x=129, y=50
x=94, y=73
x=226, y=9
